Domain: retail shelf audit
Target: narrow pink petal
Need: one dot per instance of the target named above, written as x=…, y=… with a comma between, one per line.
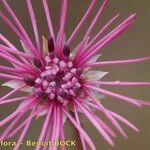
x=17, y=32
x=108, y=115
x=62, y=132
x=16, y=71
x=84, y=18
x=144, y=103
x=14, y=51
x=20, y=27
x=14, y=99
x=58, y=126
x=62, y=27
x=82, y=132
x=11, y=70
x=100, y=121
x=120, y=83
x=15, y=131
x=125, y=121
x=78, y=121
x=95, y=123
x=54, y=128
x=24, y=122
x=118, y=117
x=24, y=130
x=45, y=125
x=16, y=112
x=11, y=92
x=48, y=133
x=112, y=94
x=10, y=127
x=49, y=20
x=102, y=31
x=34, y=25
x=119, y=29
x=118, y=62
x=106, y=127
x=9, y=117
x=91, y=26
x=18, y=23
x=98, y=35
x=109, y=37
x=9, y=44
x=13, y=60
x=6, y=76
x=27, y=104
x=52, y=139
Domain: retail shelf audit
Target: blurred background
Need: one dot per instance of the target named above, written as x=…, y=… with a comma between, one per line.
x=133, y=43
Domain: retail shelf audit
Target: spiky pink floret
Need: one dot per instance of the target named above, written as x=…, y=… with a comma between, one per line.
x=58, y=81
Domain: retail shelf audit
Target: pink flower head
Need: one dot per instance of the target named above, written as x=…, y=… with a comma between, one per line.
x=58, y=80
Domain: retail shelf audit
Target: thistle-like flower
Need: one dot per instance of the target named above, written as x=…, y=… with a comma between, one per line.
x=58, y=80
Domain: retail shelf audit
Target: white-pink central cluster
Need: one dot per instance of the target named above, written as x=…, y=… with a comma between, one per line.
x=58, y=79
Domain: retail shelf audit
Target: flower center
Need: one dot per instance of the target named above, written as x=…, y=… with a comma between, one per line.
x=58, y=79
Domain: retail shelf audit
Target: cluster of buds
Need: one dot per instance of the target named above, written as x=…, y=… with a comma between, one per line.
x=58, y=78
